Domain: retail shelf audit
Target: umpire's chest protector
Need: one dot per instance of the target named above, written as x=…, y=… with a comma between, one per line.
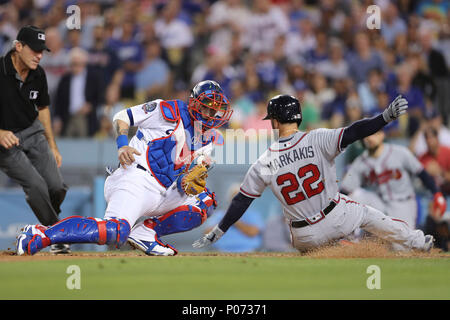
x=168, y=156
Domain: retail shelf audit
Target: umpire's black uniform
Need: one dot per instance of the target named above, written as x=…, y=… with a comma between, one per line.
x=31, y=163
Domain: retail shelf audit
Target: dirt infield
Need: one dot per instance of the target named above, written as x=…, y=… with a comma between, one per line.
x=343, y=250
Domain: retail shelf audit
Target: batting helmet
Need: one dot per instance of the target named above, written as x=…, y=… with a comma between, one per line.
x=284, y=108
x=208, y=104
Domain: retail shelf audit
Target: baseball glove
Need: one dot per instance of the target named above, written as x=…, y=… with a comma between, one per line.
x=193, y=182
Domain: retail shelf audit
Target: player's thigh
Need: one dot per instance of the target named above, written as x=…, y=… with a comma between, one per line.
x=368, y=198
x=130, y=195
x=315, y=235
x=345, y=218
x=130, y=205
x=404, y=210
x=305, y=238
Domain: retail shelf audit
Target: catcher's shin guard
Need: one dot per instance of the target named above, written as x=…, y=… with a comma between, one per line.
x=184, y=218
x=77, y=229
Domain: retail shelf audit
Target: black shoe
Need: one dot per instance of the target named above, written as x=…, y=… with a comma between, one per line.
x=60, y=248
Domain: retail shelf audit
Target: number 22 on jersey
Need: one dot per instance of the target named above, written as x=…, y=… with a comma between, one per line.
x=293, y=184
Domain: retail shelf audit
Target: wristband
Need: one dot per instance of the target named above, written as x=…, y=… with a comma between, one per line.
x=121, y=141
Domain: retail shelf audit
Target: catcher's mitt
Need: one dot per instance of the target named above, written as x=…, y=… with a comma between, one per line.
x=193, y=182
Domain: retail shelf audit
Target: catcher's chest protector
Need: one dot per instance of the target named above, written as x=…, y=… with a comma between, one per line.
x=168, y=156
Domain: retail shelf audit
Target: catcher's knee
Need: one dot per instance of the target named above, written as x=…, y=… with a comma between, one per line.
x=180, y=219
x=186, y=217
x=117, y=231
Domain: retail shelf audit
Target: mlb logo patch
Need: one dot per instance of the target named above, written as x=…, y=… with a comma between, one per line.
x=33, y=95
x=148, y=107
x=41, y=36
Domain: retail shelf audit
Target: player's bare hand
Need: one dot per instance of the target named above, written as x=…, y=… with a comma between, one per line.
x=8, y=139
x=58, y=157
x=126, y=155
x=209, y=238
x=395, y=109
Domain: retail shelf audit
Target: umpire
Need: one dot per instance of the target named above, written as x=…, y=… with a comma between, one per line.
x=28, y=151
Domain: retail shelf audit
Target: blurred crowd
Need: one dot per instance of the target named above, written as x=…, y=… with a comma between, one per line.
x=322, y=51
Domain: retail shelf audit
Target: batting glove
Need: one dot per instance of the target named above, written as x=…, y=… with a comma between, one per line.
x=209, y=238
x=439, y=204
x=395, y=109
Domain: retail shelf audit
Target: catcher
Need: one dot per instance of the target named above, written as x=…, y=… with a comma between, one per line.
x=159, y=187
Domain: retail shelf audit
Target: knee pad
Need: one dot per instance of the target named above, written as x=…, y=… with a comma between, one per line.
x=186, y=217
x=77, y=229
x=181, y=219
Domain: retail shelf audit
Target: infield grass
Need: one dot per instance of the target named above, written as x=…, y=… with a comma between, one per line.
x=224, y=277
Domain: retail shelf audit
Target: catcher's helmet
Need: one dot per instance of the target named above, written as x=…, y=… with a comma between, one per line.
x=284, y=108
x=208, y=104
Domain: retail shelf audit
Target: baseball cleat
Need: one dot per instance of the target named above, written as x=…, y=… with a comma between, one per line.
x=60, y=248
x=152, y=248
x=429, y=242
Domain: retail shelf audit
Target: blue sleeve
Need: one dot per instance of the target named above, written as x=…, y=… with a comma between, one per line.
x=428, y=181
x=361, y=129
x=237, y=208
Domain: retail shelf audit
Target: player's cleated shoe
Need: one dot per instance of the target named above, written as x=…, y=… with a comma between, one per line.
x=60, y=248
x=30, y=240
x=429, y=242
x=152, y=248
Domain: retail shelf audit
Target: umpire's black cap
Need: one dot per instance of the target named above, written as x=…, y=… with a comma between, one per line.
x=284, y=108
x=33, y=37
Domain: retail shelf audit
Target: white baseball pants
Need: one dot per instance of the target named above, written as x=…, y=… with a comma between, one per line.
x=133, y=193
x=349, y=215
x=405, y=210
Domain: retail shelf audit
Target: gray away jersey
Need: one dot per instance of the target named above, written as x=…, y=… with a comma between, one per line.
x=390, y=174
x=300, y=170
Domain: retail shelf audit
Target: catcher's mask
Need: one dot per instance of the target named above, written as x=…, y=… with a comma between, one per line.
x=208, y=104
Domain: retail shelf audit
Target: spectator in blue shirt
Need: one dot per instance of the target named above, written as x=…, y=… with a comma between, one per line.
x=268, y=71
x=102, y=58
x=131, y=54
x=392, y=24
x=414, y=95
x=368, y=90
x=154, y=76
x=363, y=59
x=334, y=111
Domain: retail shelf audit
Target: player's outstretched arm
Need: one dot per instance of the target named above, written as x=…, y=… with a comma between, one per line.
x=237, y=208
x=366, y=127
x=121, y=125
